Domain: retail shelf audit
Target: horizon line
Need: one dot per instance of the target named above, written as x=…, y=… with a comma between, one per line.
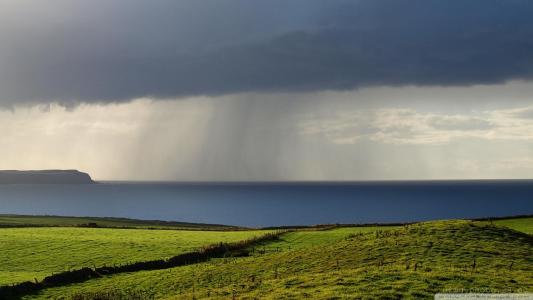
x=308, y=181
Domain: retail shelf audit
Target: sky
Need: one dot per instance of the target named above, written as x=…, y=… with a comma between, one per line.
x=222, y=90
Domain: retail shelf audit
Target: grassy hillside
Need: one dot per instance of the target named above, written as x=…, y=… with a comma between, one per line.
x=33, y=221
x=310, y=238
x=28, y=253
x=413, y=261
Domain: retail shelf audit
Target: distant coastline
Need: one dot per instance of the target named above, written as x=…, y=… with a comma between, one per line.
x=45, y=177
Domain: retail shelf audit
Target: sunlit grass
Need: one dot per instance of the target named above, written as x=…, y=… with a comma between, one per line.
x=413, y=261
x=520, y=224
x=29, y=253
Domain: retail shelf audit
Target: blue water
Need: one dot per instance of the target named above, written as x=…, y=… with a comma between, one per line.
x=273, y=204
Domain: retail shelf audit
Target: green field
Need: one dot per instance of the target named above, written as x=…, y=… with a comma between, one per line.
x=28, y=253
x=414, y=261
x=310, y=238
x=48, y=221
x=520, y=224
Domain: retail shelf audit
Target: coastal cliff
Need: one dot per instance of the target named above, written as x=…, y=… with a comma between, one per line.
x=45, y=177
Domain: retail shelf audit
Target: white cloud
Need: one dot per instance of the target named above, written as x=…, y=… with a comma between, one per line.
x=409, y=126
x=138, y=140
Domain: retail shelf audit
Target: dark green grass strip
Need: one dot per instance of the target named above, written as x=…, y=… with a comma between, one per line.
x=11, y=220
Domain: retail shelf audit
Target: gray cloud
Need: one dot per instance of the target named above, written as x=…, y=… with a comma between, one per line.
x=526, y=113
x=411, y=126
x=459, y=123
x=116, y=50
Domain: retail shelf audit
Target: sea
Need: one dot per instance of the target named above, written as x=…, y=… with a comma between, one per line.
x=263, y=204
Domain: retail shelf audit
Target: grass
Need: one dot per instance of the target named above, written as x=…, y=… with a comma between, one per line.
x=28, y=253
x=51, y=221
x=520, y=224
x=414, y=261
x=310, y=238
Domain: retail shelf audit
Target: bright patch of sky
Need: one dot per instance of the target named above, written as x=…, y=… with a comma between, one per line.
x=374, y=133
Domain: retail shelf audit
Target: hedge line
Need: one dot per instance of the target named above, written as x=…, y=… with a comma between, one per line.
x=16, y=291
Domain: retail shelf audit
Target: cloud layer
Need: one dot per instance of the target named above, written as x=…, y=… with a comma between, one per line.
x=117, y=50
x=408, y=126
x=279, y=137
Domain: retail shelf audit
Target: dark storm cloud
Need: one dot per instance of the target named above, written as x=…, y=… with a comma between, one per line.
x=90, y=51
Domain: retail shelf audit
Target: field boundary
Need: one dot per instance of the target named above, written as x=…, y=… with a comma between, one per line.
x=100, y=222
x=391, y=224
x=97, y=226
x=220, y=250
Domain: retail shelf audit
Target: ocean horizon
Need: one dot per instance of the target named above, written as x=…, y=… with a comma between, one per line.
x=261, y=204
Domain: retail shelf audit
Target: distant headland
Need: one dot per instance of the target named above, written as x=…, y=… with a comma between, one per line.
x=45, y=177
